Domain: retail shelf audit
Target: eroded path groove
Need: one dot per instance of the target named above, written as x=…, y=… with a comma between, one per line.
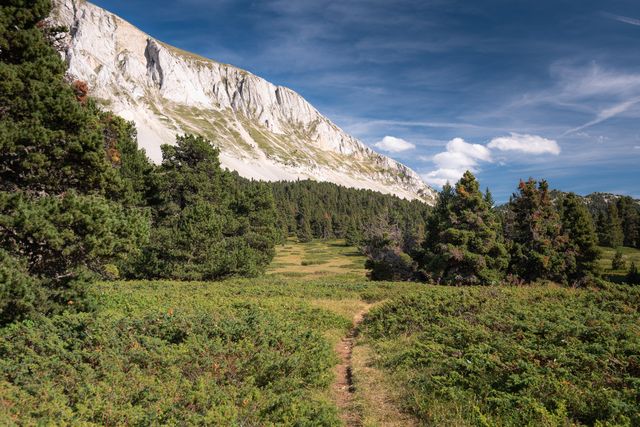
x=343, y=388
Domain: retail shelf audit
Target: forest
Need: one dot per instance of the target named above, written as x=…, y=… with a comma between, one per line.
x=135, y=293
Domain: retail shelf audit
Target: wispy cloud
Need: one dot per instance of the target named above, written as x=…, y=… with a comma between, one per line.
x=625, y=19
x=607, y=114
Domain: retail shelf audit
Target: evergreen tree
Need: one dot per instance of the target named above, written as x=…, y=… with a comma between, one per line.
x=618, y=262
x=537, y=245
x=327, y=226
x=578, y=225
x=353, y=236
x=304, y=233
x=49, y=141
x=628, y=210
x=57, y=228
x=303, y=222
x=206, y=225
x=613, y=235
x=386, y=258
x=601, y=227
x=488, y=198
x=463, y=244
x=633, y=277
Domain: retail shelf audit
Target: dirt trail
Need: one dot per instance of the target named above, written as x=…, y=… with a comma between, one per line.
x=343, y=388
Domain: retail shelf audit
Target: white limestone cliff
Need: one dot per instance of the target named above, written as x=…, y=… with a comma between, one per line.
x=263, y=131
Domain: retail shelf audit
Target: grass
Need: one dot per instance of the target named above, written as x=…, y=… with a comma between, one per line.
x=629, y=255
x=316, y=258
x=260, y=352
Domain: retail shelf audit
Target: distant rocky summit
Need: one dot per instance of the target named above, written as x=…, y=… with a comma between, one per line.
x=264, y=131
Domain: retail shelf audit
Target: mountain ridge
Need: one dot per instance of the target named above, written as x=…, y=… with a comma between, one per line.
x=264, y=131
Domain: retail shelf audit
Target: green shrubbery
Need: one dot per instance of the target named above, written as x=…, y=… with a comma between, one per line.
x=240, y=365
x=513, y=356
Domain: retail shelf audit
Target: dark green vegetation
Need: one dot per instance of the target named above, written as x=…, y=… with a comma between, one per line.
x=207, y=222
x=309, y=209
x=61, y=212
x=79, y=203
x=167, y=353
x=236, y=352
x=513, y=356
x=464, y=243
x=259, y=351
x=468, y=242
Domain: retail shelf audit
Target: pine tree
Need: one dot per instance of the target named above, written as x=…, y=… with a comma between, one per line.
x=57, y=227
x=628, y=210
x=206, y=224
x=537, y=245
x=488, y=198
x=386, y=258
x=463, y=243
x=578, y=225
x=613, y=235
x=633, y=277
x=618, y=262
x=353, y=235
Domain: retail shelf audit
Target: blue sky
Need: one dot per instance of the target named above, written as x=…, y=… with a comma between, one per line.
x=508, y=88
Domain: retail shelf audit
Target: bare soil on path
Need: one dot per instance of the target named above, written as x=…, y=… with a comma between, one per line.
x=343, y=388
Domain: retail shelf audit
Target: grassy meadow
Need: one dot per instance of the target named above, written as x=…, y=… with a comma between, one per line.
x=629, y=255
x=249, y=352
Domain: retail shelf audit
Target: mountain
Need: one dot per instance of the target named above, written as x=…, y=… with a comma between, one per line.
x=264, y=131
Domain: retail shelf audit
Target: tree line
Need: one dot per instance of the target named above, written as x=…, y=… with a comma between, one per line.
x=538, y=235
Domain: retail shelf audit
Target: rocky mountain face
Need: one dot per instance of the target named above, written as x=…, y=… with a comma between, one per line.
x=263, y=131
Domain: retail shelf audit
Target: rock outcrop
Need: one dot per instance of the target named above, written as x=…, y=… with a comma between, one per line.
x=264, y=131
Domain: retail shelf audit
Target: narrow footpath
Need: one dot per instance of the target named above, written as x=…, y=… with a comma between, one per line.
x=343, y=388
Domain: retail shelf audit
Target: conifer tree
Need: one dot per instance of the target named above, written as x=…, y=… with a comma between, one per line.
x=613, y=235
x=537, y=245
x=633, y=277
x=628, y=211
x=205, y=225
x=601, y=227
x=353, y=236
x=578, y=225
x=57, y=227
x=386, y=258
x=488, y=198
x=463, y=243
x=618, y=262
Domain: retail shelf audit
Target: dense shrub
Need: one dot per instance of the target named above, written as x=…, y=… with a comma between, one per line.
x=513, y=356
x=239, y=366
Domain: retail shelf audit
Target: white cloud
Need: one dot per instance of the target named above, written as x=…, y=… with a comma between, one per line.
x=394, y=145
x=459, y=157
x=606, y=114
x=529, y=144
x=625, y=19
